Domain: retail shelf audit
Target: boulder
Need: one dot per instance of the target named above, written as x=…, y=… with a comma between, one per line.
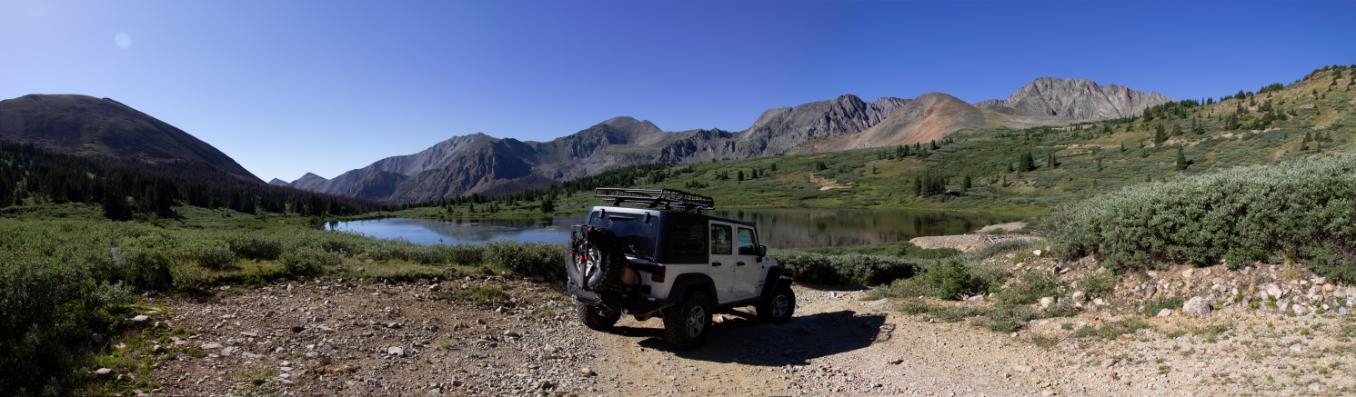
x=1196, y=307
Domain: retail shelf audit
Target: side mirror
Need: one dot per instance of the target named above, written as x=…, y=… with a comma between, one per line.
x=762, y=251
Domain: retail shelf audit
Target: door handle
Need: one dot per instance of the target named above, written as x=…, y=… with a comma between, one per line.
x=715, y=263
x=739, y=263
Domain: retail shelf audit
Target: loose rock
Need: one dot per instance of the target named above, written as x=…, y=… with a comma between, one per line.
x=1196, y=307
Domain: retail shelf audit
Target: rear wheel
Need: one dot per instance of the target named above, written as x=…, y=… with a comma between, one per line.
x=687, y=324
x=597, y=317
x=779, y=305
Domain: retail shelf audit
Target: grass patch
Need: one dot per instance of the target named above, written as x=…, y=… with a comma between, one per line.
x=1152, y=308
x=1112, y=330
x=946, y=313
x=480, y=295
x=1044, y=342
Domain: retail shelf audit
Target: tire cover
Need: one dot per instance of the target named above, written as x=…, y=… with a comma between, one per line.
x=594, y=260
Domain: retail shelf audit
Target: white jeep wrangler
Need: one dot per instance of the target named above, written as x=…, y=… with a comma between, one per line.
x=667, y=259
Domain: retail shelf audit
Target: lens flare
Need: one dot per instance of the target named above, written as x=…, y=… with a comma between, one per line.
x=122, y=40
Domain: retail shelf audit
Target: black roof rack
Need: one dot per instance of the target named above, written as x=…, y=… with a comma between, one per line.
x=653, y=198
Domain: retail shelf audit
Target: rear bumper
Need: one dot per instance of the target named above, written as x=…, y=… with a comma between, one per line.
x=634, y=304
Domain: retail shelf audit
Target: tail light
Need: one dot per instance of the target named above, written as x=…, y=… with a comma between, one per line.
x=657, y=274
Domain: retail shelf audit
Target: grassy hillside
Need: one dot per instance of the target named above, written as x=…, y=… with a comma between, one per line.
x=1012, y=172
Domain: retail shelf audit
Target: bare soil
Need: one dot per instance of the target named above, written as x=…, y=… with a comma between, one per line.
x=355, y=338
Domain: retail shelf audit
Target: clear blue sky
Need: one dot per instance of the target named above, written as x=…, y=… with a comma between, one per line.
x=287, y=87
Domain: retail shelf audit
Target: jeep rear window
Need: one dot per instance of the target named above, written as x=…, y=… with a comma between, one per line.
x=635, y=232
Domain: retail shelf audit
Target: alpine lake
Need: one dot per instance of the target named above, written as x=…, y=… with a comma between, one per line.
x=777, y=228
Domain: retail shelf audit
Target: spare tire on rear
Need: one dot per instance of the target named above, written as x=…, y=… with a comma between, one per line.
x=595, y=259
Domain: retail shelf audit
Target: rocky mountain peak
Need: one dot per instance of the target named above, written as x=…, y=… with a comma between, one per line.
x=1075, y=100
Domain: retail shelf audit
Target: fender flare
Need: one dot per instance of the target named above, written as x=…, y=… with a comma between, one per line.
x=687, y=282
x=776, y=277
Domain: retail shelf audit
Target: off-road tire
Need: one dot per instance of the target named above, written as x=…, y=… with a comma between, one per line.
x=779, y=304
x=687, y=323
x=597, y=317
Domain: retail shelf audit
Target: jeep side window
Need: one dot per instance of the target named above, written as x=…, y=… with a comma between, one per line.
x=685, y=240
x=747, y=242
x=720, y=240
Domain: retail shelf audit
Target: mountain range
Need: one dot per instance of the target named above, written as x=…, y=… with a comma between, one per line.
x=481, y=164
x=485, y=165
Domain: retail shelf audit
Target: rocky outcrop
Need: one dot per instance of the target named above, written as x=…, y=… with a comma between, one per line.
x=782, y=129
x=1074, y=100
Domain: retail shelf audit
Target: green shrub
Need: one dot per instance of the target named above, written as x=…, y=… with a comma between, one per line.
x=212, y=255
x=308, y=261
x=1098, y=283
x=49, y=311
x=528, y=260
x=149, y=270
x=1298, y=209
x=947, y=280
x=256, y=248
x=1009, y=318
x=190, y=277
x=337, y=246
x=1029, y=287
x=846, y=269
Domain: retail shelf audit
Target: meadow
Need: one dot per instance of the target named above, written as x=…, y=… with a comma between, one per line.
x=70, y=279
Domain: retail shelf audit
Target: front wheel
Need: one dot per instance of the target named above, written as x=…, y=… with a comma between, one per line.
x=686, y=325
x=597, y=317
x=778, y=306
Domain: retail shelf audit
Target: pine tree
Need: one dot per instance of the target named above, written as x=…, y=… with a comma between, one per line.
x=115, y=205
x=965, y=183
x=1026, y=163
x=1181, y=160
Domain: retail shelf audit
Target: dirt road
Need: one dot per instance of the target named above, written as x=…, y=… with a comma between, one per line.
x=364, y=339
x=345, y=338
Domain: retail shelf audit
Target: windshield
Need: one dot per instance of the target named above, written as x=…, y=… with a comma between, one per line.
x=636, y=231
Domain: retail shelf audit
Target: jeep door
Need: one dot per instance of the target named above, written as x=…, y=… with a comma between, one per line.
x=723, y=260
x=748, y=270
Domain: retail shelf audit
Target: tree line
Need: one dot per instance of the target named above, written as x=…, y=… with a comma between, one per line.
x=126, y=189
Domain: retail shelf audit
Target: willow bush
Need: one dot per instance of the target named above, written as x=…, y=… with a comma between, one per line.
x=846, y=269
x=1299, y=210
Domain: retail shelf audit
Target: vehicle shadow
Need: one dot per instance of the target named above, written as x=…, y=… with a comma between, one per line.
x=741, y=338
